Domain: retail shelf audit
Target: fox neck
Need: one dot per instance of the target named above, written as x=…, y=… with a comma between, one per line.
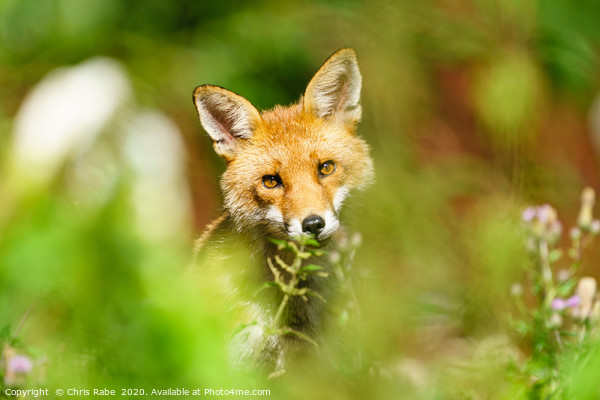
x=301, y=315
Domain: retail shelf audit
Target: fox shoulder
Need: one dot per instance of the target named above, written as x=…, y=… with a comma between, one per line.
x=219, y=224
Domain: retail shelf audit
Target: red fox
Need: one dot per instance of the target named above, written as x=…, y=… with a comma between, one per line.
x=288, y=172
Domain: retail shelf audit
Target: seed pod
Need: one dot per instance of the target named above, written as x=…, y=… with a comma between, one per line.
x=586, y=289
x=588, y=197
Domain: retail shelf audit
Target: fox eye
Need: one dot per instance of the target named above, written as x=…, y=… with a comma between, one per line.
x=327, y=168
x=271, y=181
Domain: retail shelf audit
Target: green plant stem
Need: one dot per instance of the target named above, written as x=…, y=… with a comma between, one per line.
x=24, y=318
x=282, y=305
x=353, y=296
x=549, y=291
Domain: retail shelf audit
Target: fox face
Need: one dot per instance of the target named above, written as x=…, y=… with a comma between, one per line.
x=289, y=169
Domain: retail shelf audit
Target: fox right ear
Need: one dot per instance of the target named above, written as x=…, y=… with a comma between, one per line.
x=334, y=91
x=227, y=118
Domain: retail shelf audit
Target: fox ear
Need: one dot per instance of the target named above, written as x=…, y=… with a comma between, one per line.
x=227, y=118
x=334, y=91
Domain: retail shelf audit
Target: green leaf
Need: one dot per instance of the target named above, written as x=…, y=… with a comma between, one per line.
x=241, y=327
x=523, y=328
x=312, y=242
x=264, y=286
x=555, y=255
x=5, y=332
x=569, y=334
x=290, y=331
x=565, y=289
x=573, y=253
x=311, y=268
x=280, y=243
x=312, y=293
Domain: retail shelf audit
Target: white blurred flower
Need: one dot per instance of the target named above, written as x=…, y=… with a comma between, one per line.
x=154, y=151
x=356, y=239
x=516, y=289
x=595, y=227
x=575, y=233
x=555, y=320
x=64, y=114
x=335, y=257
x=563, y=275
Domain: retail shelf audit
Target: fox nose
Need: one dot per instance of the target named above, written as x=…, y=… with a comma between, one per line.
x=313, y=224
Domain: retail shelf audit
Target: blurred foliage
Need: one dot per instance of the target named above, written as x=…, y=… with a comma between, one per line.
x=472, y=108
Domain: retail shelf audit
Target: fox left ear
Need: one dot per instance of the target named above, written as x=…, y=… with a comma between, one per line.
x=334, y=91
x=228, y=118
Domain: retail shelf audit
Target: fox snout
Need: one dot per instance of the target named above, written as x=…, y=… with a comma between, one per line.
x=321, y=225
x=313, y=224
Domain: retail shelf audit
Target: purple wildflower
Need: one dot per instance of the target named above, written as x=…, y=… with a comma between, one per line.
x=545, y=213
x=20, y=364
x=556, y=228
x=558, y=304
x=573, y=301
x=529, y=214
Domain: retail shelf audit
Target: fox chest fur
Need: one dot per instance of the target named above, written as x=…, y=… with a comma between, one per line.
x=289, y=170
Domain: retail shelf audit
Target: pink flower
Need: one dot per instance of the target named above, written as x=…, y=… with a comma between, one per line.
x=559, y=304
x=20, y=364
x=545, y=213
x=573, y=301
x=529, y=214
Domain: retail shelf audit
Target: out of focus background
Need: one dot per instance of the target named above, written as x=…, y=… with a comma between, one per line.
x=473, y=110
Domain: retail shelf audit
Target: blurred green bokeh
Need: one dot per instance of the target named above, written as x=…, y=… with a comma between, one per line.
x=472, y=109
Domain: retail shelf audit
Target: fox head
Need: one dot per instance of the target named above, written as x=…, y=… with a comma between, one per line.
x=289, y=169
